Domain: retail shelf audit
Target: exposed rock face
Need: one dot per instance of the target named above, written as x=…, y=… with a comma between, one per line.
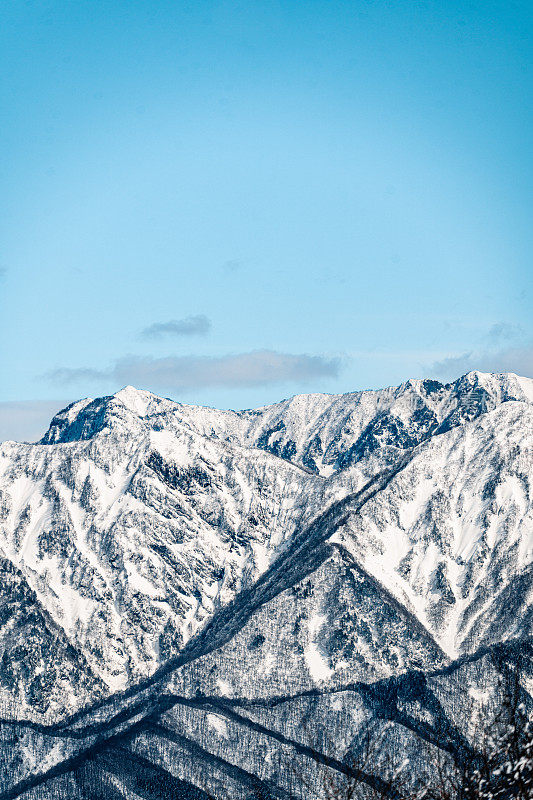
x=324, y=551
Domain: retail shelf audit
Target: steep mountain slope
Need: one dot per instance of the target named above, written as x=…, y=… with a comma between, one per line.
x=220, y=591
x=132, y=538
x=452, y=535
x=39, y=667
x=137, y=517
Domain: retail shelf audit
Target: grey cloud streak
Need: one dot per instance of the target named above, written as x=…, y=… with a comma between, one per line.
x=198, y=325
x=504, y=331
x=184, y=373
x=510, y=359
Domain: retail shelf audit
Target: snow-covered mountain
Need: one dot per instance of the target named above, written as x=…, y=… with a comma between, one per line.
x=298, y=548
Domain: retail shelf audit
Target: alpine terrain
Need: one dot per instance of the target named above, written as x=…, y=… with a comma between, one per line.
x=286, y=602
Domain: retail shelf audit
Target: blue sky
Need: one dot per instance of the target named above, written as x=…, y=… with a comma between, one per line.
x=229, y=203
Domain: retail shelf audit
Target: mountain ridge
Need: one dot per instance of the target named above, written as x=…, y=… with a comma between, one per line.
x=161, y=551
x=89, y=505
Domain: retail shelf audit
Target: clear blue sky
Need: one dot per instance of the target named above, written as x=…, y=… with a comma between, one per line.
x=231, y=202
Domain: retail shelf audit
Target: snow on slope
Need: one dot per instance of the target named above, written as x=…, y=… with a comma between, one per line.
x=136, y=517
x=454, y=530
x=130, y=539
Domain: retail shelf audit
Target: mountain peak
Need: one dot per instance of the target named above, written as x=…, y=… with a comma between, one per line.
x=477, y=391
x=140, y=401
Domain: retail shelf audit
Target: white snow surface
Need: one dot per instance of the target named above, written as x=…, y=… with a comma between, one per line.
x=137, y=516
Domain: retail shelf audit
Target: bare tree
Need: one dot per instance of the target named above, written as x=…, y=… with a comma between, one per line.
x=368, y=772
x=499, y=765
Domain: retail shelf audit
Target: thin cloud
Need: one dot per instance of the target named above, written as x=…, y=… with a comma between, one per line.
x=504, y=332
x=233, y=265
x=510, y=359
x=67, y=375
x=198, y=325
x=186, y=373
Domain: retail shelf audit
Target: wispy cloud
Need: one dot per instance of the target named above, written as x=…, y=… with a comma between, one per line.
x=233, y=265
x=198, y=325
x=504, y=332
x=185, y=373
x=508, y=359
x=27, y=421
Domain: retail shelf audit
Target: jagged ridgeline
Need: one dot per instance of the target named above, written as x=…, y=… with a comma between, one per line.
x=329, y=595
